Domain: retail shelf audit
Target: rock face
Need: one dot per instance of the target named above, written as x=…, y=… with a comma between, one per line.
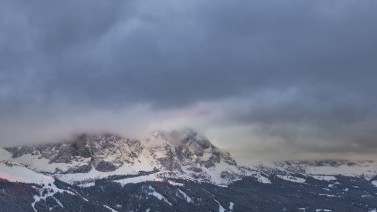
x=105, y=152
x=184, y=153
x=174, y=171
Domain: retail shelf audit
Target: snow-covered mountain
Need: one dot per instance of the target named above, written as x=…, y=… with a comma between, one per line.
x=177, y=154
x=174, y=171
x=357, y=168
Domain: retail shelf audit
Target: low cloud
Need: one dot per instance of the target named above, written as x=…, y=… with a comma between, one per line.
x=258, y=78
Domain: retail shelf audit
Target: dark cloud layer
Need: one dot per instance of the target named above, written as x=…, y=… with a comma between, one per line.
x=296, y=75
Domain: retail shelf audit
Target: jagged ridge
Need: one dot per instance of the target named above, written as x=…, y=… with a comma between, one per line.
x=176, y=153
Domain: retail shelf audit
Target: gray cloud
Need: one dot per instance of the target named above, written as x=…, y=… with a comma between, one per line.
x=296, y=75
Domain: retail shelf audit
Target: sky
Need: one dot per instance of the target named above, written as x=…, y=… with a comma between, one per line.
x=263, y=79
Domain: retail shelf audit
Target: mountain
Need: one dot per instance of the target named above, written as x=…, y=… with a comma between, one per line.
x=174, y=171
x=183, y=154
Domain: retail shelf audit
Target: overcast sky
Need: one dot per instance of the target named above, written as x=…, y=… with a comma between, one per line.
x=263, y=79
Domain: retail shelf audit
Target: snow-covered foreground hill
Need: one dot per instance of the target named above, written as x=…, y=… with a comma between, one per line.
x=174, y=171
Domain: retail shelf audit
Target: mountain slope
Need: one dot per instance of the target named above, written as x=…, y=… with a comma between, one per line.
x=174, y=171
x=183, y=154
x=22, y=189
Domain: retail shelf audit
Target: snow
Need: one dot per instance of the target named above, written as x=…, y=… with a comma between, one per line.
x=39, y=164
x=328, y=195
x=93, y=174
x=231, y=206
x=212, y=175
x=13, y=172
x=87, y=184
x=324, y=177
x=155, y=147
x=216, y=172
x=59, y=203
x=258, y=176
x=147, y=161
x=52, y=190
x=221, y=208
x=138, y=179
x=112, y=210
x=263, y=179
x=365, y=169
x=159, y=196
x=175, y=183
x=323, y=210
x=188, y=199
x=291, y=178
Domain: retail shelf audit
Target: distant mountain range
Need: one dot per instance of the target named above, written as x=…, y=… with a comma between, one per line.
x=174, y=171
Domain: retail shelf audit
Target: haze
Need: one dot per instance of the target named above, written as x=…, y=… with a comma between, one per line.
x=262, y=79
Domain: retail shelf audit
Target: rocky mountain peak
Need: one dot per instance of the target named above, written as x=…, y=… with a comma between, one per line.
x=186, y=139
x=178, y=152
x=180, y=149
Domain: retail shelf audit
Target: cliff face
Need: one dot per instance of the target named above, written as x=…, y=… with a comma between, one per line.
x=183, y=153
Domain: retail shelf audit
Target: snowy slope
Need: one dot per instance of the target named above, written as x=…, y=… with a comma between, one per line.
x=163, y=155
x=177, y=154
x=360, y=168
x=13, y=172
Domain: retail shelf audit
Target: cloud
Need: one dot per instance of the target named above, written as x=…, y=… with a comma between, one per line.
x=289, y=75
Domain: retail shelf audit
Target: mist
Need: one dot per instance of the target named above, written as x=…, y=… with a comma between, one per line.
x=289, y=80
